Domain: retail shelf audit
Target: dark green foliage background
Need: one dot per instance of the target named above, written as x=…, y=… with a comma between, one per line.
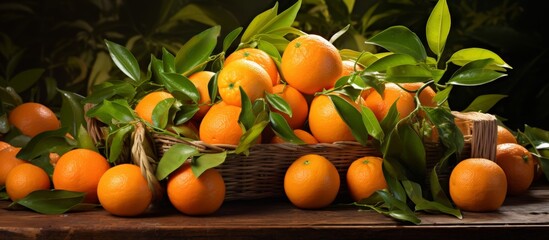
x=65, y=38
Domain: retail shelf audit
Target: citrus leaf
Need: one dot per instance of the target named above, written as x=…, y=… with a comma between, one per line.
x=85, y=140
x=352, y=117
x=108, y=112
x=168, y=61
x=272, y=49
x=474, y=77
x=51, y=201
x=44, y=143
x=161, y=112
x=282, y=129
x=399, y=39
x=412, y=155
x=258, y=23
x=339, y=33
x=246, y=116
x=116, y=141
x=389, y=61
x=437, y=192
x=408, y=73
x=207, y=161
x=398, y=209
x=72, y=112
x=278, y=103
x=375, y=83
x=442, y=96
x=284, y=19
x=250, y=137
x=467, y=55
x=212, y=87
x=26, y=79
x=177, y=83
x=185, y=113
x=484, y=103
x=196, y=50
x=438, y=27
x=124, y=60
x=173, y=159
x=109, y=90
x=449, y=134
x=372, y=125
x=229, y=39
x=414, y=191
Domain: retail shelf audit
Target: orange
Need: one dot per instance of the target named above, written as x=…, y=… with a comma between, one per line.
x=200, y=80
x=311, y=63
x=519, y=166
x=4, y=145
x=311, y=182
x=301, y=134
x=381, y=105
x=505, y=135
x=33, y=118
x=220, y=125
x=79, y=170
x=297, y=102
x=8, y=161
x=124, y=191
x=258, y=56
x=253, y=79
x=427, y=95
x=196, y=196
x=24, y=179
x=478, y=185
x=146, y=105
x=325, y=123
x=365, y=176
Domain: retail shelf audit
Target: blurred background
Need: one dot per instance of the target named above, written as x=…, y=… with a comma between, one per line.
x=59, y=44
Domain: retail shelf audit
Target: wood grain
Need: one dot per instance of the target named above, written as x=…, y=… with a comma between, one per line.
x=527, y=215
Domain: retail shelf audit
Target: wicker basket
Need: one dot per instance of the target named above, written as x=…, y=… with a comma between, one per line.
x=261, y=173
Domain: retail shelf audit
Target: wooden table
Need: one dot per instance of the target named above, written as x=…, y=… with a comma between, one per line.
x=525, y=217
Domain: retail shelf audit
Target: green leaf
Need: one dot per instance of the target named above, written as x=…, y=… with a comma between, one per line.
x=442, y=96
x=185, y=113
x=413, y=190
x=212, y=87
x=161, y=112
x=258, y=23
x=352, y=117
x=438, y=27
x=284, y=19
x=116, y=140
x=246, y=116
x=389, y=61
x=282, y=129
x=467, y=55
x=51, y=201
x=372, y=125
x=448, y=132
x=26, y=79
x=168, y=60
x=278, y=103
x=108, y=112
x=399, y=210
x=399, y=39
x=44, y=143
x=437, y=191
x=173, y=159
x=229, y=39
x=375, y=83
x=413, y=154
x=43, y=161
x=196, y=51
x=474, y=77
x=339, y=33
x=271, y=49
x=72, y=112
x=177, y=83
x=110, y=90
x=408, y=73
x=250, y=137
x=124, y=60
x=207, y=161
x=85, y=140
x=484, y=103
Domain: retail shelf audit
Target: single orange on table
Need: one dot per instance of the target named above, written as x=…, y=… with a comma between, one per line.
x=33, y=118
x=519, y=167
x=311, y=63
x=124, y=191
x=365, y=176
x=245, y=74
x=258, y=56
x=79, y=170
x=311, y=182
x=478, y=185
x=146, y=105
x=200, y=80
x=297, y=102
x=8, y=160
x=24, y=179
x=193, y=195
x=325, y=123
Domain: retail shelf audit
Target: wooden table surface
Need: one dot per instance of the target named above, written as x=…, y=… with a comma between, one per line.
x=521, y=217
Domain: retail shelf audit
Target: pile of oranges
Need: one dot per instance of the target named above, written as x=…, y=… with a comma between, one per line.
x=308, y=70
